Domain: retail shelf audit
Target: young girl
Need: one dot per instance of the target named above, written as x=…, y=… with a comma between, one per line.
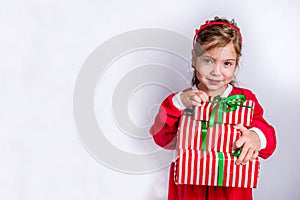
x=215, y=57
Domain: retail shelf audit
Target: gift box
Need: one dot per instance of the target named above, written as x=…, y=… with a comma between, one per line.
x=204, y=144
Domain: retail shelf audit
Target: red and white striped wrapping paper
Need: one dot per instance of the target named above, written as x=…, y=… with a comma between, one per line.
x=197, y=167
x=242, y=115
x=205, y=171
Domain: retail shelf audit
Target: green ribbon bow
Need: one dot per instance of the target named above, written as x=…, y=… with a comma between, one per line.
x=227, y=104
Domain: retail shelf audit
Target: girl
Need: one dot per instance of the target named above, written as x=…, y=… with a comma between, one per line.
x=215, y=57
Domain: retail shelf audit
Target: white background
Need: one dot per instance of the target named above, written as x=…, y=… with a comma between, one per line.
x=42, y=47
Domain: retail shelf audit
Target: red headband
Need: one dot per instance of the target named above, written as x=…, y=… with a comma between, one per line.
x=208, y=23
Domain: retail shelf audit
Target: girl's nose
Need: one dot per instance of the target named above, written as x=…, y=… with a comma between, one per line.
x=216, y=69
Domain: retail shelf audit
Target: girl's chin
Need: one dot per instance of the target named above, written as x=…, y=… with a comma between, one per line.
x=212, y=87
x=216, y=89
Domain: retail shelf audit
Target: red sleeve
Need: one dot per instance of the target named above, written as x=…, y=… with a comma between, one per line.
x=260, y=123
x=164, y=129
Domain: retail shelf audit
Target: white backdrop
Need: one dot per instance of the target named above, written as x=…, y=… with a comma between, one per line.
x=43, y=45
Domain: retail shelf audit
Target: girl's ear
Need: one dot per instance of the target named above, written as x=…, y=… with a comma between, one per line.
x=193, y=52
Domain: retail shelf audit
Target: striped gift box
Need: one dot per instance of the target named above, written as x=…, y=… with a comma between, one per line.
x=204, y=152
x=242, y=115
x=214, y=169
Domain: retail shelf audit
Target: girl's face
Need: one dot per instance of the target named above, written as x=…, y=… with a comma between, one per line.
x=215, y=69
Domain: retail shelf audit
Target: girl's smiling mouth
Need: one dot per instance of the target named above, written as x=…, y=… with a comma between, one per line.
x=213, y=81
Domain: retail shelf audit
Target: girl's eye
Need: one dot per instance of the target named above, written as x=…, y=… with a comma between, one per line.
x=208, y=61
x=227, y=64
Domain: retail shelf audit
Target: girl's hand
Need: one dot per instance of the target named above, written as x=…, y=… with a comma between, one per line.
x=193, y=98
x=250, y=143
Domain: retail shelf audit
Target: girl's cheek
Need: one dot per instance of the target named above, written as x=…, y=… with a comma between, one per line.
x=206, y=69
x=229, y=72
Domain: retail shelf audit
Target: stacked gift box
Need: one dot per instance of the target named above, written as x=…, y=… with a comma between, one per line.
x=204, y=144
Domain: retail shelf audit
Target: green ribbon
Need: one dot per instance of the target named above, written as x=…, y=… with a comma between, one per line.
x=236, y=154
x=220, y=168
x=204, y=133
x=227, y=104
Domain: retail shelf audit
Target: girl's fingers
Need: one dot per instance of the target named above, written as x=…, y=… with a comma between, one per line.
x=195, y=103
x=193, y=98
x=241, y=128
x=239, y=143
x=196, y=98
x=254, y=156
x=241, y=157
x=250, y=150
x=203, y=97
x=248, y=156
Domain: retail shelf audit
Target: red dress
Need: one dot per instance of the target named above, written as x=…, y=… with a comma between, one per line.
x=164, y=131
